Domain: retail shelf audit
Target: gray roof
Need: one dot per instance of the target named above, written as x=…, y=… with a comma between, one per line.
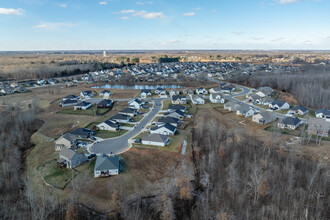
x=179, y=112
x=105, y=162
x=120, y=117
x=290, y=121
x=69, y=137
x=128, y=110
x=82, y=132
x=299, y=107
x=243, y=108
x=111, y=123
x=278, y=102
x=71, y=97
x=324, y=111
x=214, y=95
x=177, y=107
x=69, y=101
x=155, y=138
x=167, y=126
x=175, y=97
x=268, y=115
x=105, y=102
x=231, y=104
x=67, y=153
x=168, y=120
x=83, y=104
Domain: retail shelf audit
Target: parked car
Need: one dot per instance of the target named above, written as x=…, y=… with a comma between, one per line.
x=91, y=156
x=138, y=140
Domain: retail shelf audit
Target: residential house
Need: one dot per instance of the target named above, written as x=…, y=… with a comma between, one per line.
x=173, y=108
x=323, y=113
x=291, y=123
x=264, y=101
x=155, y=140
x=105, y=103
x=70, y=158
x=129, y=111
x=68, y=102
x=173, y=121
x=71, y=97
x=299, y=110
x=201, y=91
x=175, y=114
x=68, y=140
x=215, y=90
x=135, y=103
x=319, y=127
x=197, y=100
x=82, y=133
x=165, y=129
x=279, y=105
x=188, y=92
x=13, y=84
x=106, y=94
x=145, y=93
x=160, y=91
x=228, y=88
x=121, y=118
x=7, y=90
x=264, y=118
x=216, y=98
x=252, y=97
x=109, y=125
x=231, y=106
x=82, y=106
x=87, y=94
x=106, y=165
x=179, y=99
x=245, y=110
x=41, y=82
x=174, y=92
x=266, y=91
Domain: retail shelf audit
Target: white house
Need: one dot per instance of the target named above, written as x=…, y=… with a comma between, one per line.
x=289, y=123
x=165, y=129
x=135, y=103
x=155, y=140
x=86, y=94
x=197, y=100
x=145, y=93
x=106, y=94
x=245, y=110
x=216, y=98
x=109, y=125
x=323, y=113
x=106, y=166
x=82, y=106
x=279, y=105
x=201, y=91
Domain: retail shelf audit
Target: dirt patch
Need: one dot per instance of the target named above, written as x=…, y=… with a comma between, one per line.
x=288, y=97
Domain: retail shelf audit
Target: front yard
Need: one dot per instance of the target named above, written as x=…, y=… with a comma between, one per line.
x=110, y=134
x=91, y=111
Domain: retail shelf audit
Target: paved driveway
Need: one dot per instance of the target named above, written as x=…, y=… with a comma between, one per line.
x=120, y=144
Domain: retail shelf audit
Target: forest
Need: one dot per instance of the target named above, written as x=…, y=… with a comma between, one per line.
x=311, y=86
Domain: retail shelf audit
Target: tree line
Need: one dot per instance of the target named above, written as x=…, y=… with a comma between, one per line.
x=311, y=86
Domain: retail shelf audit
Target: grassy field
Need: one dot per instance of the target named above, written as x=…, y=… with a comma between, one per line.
x=241, y=98
x=91, y=111
x=275, y=95
x=137, y=118
x=174, y=146
x=191, y=108
x=56, y=176
x=127, y=125
x=166, y=104
x=110, y=134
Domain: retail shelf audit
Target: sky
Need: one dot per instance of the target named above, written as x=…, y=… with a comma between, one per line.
x=164, y=24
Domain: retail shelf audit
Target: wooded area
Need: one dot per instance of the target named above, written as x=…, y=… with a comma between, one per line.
x=311, y=86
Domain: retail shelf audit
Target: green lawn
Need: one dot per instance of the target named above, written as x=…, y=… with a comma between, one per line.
x=137, y=118
x=174, y=146
x=191, y=109
x=82, y=150
x=56, y=176
x=166, y=104
x=275, y=95
x=262, y=106
x=91, y=111
x=110, y=134
x=127, y=125
x=242, y=98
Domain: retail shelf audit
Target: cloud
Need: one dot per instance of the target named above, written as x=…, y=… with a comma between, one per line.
x=307, y=42
x=11, y=11
x=53, y=26
x=144, y=3
x=287, y=1
x=198, y=8
x=127, y=11
x=277, y=39
x=63, y=5
x=103, y=3
x=257, y=38
x=238, y=33
x=124, y=18
x=189, y=14
x=214, y=11
x=144, y=14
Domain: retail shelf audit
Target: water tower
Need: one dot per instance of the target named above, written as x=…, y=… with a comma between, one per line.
x=104, y=54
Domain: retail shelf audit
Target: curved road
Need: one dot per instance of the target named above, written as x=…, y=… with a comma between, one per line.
x=245, y=91
x=120, y=144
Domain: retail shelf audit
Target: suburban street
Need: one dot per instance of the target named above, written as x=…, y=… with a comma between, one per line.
x=120, y=144
x=246, y=91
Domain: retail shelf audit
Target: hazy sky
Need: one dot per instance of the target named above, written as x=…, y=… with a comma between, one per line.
x=164, y=24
